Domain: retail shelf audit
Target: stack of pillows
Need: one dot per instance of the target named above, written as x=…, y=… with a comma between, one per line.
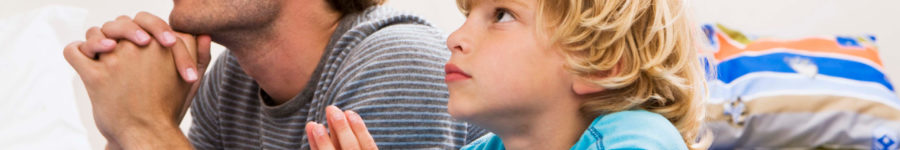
x=823, y=92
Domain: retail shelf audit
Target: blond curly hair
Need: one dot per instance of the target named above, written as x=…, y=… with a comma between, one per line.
x=651, y=44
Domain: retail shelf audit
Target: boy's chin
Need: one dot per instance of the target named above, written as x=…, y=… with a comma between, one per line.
x=460, y=112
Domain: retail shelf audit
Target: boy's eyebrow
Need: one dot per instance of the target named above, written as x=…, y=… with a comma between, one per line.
x=514, y=2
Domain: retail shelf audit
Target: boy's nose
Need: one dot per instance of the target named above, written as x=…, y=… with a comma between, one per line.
x=457, y=42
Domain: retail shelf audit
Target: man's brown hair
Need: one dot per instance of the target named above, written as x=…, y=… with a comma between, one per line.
x=353, y=6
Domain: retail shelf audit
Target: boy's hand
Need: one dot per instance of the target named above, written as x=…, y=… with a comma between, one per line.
x=348, y=132
x=136, y=94
x=140, y=31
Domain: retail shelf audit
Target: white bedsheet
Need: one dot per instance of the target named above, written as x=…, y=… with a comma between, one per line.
x=38, y=108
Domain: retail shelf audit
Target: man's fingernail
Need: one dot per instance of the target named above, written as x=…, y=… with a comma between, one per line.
x=141, y=36
x=168, y=37
x=108, y=43
x=191, y=74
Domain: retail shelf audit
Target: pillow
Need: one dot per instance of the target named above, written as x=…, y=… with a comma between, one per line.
x=814, y=92
x=37, y=103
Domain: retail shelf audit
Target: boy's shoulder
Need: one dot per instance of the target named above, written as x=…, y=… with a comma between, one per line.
x=633, y=129
x=489, y=141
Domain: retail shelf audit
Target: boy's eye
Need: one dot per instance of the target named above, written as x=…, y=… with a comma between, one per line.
x=502, y=15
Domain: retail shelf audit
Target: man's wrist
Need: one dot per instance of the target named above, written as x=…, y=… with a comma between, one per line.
x=149, y=137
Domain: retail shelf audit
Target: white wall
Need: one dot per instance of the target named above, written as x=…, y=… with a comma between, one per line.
x=784, y=18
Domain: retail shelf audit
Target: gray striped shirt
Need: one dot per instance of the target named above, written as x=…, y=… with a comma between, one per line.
x=385, y=65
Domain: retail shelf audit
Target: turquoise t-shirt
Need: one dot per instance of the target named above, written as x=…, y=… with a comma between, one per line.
x=634, y=129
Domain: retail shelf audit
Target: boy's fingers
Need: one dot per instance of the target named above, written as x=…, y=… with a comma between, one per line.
x=310, y=137
x=184, y=62
x=126, y=29
x=337, y=121
x=323, y=142
x=334, y=139
x=366, y=142
x=96, y=43
x=157, y=27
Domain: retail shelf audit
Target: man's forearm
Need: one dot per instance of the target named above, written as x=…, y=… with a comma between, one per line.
x=149, y=138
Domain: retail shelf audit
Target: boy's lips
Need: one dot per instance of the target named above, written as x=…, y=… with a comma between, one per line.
x=454, y=73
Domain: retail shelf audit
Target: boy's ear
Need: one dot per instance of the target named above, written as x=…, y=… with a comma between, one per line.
x=584, y=87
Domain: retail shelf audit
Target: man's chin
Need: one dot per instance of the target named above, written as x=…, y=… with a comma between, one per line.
x=193, y=21
x=186, y=25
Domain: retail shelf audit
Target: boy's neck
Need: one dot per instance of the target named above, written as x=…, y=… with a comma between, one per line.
x=555, y=129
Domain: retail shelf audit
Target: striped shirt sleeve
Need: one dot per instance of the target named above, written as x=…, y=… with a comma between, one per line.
x=394, y=80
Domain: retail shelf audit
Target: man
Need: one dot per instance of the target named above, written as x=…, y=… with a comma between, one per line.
x=287, y=60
